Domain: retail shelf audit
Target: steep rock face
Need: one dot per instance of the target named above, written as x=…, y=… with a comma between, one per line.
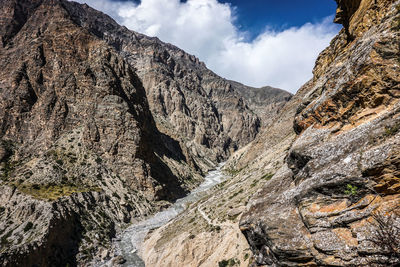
x=188, y=101
x=342, y=168
x=79, y=148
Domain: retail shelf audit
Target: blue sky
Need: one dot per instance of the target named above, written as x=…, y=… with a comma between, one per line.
x=255, y=42
x=255, y=15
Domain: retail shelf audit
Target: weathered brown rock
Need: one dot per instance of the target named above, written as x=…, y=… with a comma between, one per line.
x=343, y=166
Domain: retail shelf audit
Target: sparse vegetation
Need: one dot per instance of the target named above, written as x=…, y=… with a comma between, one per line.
x=390, y=131
x=237, y=193
x=7, y=169
x=396, y=20
x=52, y=191
x=246, y=256
x=387, y=236
x=267, y=176
x=351, y=190
x=230, y=262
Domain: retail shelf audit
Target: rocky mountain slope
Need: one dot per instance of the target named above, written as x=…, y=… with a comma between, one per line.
x=266, y=101
x=202, y=111
x=307, y=191
x=99, y=127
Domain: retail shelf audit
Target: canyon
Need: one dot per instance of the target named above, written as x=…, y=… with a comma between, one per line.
x=103, y=127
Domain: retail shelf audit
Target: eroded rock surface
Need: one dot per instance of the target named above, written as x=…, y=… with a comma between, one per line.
x=343, y=166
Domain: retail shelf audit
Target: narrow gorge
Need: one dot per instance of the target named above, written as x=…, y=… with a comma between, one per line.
x=112, y=143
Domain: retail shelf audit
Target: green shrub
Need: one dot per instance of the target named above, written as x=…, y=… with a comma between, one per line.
x=226, y=263
x=223, y=263
x=351, y=190
x=254, y=184
x=246, y=256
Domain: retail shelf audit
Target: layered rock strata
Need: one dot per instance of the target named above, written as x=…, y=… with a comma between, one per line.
x=342, y=169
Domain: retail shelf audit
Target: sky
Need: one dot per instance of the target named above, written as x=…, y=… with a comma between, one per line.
x=255, y=42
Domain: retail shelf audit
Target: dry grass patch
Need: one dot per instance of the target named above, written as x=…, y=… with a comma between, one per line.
x=52, y=191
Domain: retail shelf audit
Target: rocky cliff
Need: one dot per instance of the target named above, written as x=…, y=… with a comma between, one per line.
x=80, y=149
x=342, y=169
x=204, y=112
x=99, y=126
x=311, y=189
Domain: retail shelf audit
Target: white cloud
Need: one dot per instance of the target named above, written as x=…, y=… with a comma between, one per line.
x=206, y=29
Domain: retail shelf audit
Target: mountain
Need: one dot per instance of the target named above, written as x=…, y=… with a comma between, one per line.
x=189, y=102
x=266, y=101
x=319, y=185
x=99, y=127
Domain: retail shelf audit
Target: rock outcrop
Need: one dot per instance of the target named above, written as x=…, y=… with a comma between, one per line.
x=342, y=169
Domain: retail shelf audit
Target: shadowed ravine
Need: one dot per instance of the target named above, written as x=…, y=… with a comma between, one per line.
x=132, y=238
